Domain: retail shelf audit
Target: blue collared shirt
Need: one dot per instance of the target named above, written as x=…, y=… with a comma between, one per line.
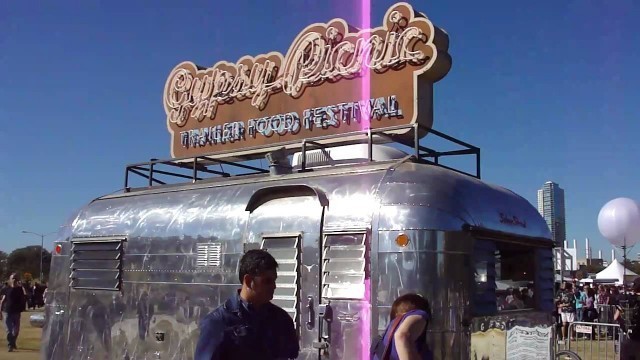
x=235, y=330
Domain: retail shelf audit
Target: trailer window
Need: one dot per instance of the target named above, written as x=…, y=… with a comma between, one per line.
x=286, y=250
x=344, y=266
x=505, y=277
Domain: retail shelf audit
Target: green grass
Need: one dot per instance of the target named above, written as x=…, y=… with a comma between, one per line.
x=28, y=341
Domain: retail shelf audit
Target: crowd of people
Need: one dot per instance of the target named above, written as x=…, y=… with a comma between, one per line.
x=516, y=299
x=607, y=304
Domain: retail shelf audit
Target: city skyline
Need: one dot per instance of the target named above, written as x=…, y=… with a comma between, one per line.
x=552, y=207
x=607, y=255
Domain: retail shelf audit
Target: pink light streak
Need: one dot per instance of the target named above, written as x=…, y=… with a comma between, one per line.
x=365, y=94
x=365, y=330
x=365, y=87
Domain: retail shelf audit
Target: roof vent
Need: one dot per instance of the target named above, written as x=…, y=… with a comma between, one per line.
x=278, y=162
x=348, y=154
x=209, y=254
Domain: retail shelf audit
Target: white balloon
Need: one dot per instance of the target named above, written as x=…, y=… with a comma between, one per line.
x=619, y=221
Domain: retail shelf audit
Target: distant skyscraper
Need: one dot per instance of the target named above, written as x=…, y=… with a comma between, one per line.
x=551, y=207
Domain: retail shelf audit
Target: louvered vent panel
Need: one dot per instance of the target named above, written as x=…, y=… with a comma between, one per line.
x=344, y=259
x=319, y=157
x=209, y=255
x=286, y=252
x=96, y=263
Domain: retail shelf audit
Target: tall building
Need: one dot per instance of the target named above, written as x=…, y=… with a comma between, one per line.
x=551, y=207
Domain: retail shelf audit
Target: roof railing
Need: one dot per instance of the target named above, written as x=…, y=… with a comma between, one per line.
x=229, y=164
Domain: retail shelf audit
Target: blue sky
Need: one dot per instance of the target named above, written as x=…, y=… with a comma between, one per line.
x=547, y=89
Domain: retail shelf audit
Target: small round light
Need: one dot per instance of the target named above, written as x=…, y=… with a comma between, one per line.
x=402, y=240
x=58, y=249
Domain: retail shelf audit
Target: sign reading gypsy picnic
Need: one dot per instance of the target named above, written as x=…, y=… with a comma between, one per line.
x=332, y=80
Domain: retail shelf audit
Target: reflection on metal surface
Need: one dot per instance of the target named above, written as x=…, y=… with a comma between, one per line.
x=436, y=265
x=348, y=317
x=37, y=320
x=164, y=290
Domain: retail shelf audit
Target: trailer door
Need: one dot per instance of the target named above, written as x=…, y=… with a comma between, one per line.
x=288, y=224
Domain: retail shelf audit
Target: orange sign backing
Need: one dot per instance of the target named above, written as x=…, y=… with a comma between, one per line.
x=333, y=79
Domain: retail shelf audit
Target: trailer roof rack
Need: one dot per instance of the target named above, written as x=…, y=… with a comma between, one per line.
x=163, y=172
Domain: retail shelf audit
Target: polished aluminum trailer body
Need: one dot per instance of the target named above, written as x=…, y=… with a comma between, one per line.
x=333, y=231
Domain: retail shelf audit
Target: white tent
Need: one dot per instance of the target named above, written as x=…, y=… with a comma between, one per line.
x=616, y=271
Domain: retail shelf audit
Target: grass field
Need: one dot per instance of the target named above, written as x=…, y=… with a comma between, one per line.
x=28, y=341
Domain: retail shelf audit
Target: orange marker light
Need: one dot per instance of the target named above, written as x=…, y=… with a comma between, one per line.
x=402, y=240
x=58, y=249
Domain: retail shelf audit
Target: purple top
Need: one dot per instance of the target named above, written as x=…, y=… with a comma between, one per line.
x=590, y=301
x=421, y=341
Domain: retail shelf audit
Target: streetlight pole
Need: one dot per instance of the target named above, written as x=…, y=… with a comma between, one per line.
x=41, y=248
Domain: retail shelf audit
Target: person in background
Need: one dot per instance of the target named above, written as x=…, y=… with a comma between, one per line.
x=556, y=312
x=614, y=298
x=3, y=313
x=581, y=299
x=248, y=326
x=405, y=336
x=528, y=294
x=14, y=302
x=589, y=309
x=603, y=295
x=509, y=298
x=3, y=290
x=567, y=305
x=516, y=302
x=145, y=310
x=590, y=314
x=28, y=290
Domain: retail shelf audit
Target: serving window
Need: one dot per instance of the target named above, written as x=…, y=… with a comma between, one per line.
x=505, y=277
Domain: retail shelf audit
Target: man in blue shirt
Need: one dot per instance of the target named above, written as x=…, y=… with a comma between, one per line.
x=248, y=326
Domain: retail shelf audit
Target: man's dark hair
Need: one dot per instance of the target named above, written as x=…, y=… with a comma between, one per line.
x=256, y=261
x=568, y=286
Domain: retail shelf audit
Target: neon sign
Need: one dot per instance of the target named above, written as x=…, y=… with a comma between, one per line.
x=314, y=89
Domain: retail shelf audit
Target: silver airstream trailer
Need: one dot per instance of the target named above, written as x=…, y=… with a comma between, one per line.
x=136, y=271
x=353, y=221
